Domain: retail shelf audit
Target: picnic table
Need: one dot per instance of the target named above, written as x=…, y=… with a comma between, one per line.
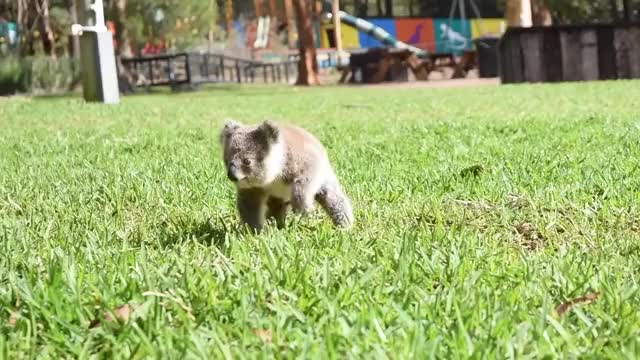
x=376, y=65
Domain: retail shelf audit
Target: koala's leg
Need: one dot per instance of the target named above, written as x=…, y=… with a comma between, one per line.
x=277, y=209
x=302, y=196
x=251, y=206
x=336, y=204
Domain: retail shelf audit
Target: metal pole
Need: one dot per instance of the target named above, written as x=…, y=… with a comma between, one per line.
x=463, y=17
x=335, y=9
x=474, y=6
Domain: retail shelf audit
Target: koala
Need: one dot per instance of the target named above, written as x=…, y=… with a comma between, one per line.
x=280, y=166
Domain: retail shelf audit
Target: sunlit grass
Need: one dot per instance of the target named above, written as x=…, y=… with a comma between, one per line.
x=478, y=212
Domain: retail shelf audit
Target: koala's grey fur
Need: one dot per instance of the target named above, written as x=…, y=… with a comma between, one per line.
x=278, y=166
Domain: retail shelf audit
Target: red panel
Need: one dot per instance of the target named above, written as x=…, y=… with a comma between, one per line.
x=417, y=32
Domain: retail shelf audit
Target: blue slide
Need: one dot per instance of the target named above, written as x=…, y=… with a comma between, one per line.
x=374, y=31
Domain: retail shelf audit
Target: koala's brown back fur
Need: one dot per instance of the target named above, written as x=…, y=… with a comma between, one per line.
x=303, y=151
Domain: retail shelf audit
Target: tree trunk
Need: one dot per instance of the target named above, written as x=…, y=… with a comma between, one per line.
x=288, y=10
x=44, y=25
x=21, y=23
x=361, y=8
x=75, y=40
x=512, y=12
x=28, y=18
x=228, y=18
x=307, y=66
x=21, y=26
x=518, y=13
x=626, y=8
x=613, y=5
x=540, y=13
x=388, y=8
x=126, y=79
x=273, y=9
x=122, y=33
x=257, y=6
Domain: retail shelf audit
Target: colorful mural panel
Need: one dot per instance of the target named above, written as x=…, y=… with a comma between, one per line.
x=441, y=35
x=417, y=32
x=452, y=35
x=481, y=27
x=349, y=35
x=389, y=25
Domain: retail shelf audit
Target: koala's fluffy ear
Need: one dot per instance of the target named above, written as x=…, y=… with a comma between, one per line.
x=229, y=127
x=270, y=131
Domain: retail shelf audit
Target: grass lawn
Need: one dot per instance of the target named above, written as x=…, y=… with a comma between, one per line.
x=478, y=212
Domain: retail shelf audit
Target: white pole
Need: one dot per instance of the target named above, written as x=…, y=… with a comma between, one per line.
x=337, y=31
x=525, y=13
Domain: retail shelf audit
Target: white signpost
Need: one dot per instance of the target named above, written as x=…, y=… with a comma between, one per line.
x=97, y=57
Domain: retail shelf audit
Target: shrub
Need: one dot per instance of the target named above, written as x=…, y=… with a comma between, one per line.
x=13, y=76
x=38, y=75
x=52, y=76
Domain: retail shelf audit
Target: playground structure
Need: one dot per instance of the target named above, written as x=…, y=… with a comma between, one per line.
x=363, y=50
x=376, y=32
x=431, y=44
x=567, y=55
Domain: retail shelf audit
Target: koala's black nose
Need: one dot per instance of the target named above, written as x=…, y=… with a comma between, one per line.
x=231, y=176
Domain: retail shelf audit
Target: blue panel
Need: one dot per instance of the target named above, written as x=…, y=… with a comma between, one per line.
x=367, y=41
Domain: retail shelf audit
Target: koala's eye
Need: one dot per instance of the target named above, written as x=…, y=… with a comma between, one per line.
x=246, y=161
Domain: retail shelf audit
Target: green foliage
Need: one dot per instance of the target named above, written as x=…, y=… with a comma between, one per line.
x=52, y=76
x=588, y=11
x=61, y=24
x=38, y=75
x=102, y=206
x=181, y=23
x=581, y=11
x=13, y=76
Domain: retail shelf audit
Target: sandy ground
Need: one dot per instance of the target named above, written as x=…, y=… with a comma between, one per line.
x=448, y=83
x=436, y=80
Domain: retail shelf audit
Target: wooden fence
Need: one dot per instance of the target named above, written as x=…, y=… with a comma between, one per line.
x=198, y=68
x=570, y=53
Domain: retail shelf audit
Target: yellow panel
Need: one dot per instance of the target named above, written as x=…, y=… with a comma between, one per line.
x=494, y=26
x=350, y=38
x=324, y=41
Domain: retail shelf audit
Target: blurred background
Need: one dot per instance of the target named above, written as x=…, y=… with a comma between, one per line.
x=38, y=53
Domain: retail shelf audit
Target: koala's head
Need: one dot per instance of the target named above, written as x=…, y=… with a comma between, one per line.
x=252, y=154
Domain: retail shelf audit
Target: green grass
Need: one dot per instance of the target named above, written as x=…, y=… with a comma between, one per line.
x=478, y=211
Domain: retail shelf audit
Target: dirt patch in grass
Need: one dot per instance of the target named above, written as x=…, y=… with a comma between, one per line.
x=530, y=237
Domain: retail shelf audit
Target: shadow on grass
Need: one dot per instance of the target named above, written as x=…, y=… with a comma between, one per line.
x=244, y=90
x=236, y=89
